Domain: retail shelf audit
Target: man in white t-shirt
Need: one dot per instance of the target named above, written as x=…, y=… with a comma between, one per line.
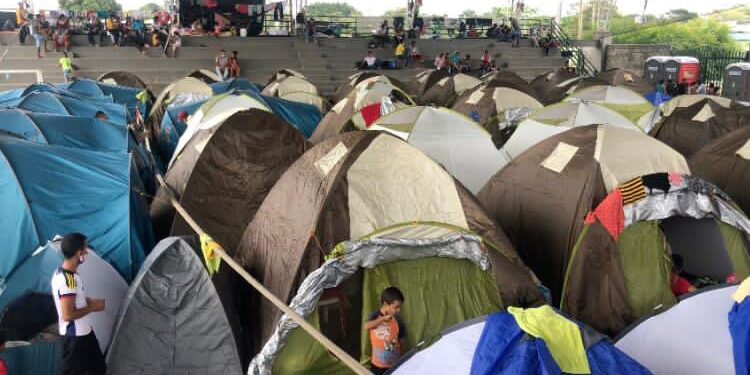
x=370, y=61
x=81, y=354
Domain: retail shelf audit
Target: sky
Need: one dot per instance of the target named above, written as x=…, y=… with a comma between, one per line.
x=453, y=8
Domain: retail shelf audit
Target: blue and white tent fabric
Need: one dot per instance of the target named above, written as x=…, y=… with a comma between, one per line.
x=522, y=341
x=47, y=190
x=47, y=102
x=99, y=278
x=693, y=337
x=234, y=84
x=63, y=130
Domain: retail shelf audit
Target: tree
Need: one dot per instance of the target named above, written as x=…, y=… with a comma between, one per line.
x=331, y=10
x=682, y=36
x=397, y=12
x=90, y=5
x=150, y=8
x=468, y=13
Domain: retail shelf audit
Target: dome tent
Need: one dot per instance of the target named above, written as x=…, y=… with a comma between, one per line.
x=122, y=78
x=502, y=343
x=690, y=338
x=355, y=79
x=172, y=318
x=621, y=78
x=726, y=163
x=485, y=103
x=204, y=75
x=451, y=139
x=555, y=85
x=689, y=129
x=352, y=185
x=180, y=92
x=224, y=196
x=48, y=102
x=366, y=103
x=445, y=91
x=634, y=230
x=284, y=73
x=541, y=197
x=626, y=102
x=424, y=80
x=99, y=277
x=683, y=101
x=37, y=210
x=549, y=121
x=296, y=88
x=452, y=261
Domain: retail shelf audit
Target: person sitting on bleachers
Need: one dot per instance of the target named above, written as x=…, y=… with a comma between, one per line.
x=492, y=31
x=472, y=32
x=466, y=65
x=370, y=62
x=486, y=61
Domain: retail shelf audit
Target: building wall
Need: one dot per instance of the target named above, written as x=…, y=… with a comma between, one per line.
x=631, y=56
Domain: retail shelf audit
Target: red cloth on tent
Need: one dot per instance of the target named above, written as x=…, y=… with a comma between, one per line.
x=609, y=213
x=675, y=179
x=370, y=114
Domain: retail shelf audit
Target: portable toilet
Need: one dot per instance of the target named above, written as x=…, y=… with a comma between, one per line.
x=737, y=82
x=682, y=69
x=653, y=70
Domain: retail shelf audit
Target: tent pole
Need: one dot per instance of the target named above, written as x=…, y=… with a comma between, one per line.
x=328, y=344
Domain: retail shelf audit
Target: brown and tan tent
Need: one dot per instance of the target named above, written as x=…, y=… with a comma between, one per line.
x=726, y=163
x=542, y=196
x=445, y=92
x=182, y=91
x=683, y=101
x=296, y=88
x=555, y=85
x=284, y=73
x=424, y=80
x=205, y=76
x=689, y=129
x=224, y=172
x=122, y=78
x=485, y=104
x=621, y=77
x=355, y=79
x=511, y=80
x=620, y=268
x=349, y=187
x=371, y=98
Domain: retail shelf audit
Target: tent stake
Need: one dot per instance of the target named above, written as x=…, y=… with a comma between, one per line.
x=328, y=344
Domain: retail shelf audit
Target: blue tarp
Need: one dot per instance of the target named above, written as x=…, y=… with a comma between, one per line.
x=304, y=117
x=46, y=87
x=48, y=190
x=47, y=102
x=70, y=131
x=504, y=349
x=119, y=94
x=657, y=99
x=39, y=358
x=739, y=328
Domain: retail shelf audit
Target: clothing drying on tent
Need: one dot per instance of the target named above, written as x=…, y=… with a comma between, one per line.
x=541, y=197
x=445, y=91
x=624, y=101
x=62, y=130
x=725, y=162
x=353, y=185
x=444, y=273
x=424, y=80
x=634, y=230
x=221, y=196
x=693, y=337
x=33, y=278
x=47, y=102
x=532, y=341
x=486, y=104
x=172, y=318
x=371, y=99
x=460, y=145
x=549, y=121
x=555, y=85
x=689, y=129
x=102, y=205
x=621, y=78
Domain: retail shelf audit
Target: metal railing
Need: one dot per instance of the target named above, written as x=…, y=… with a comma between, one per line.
x=574, y=53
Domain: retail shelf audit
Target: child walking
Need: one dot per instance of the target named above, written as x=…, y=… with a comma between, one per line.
x=387, y=332
x=67, y=67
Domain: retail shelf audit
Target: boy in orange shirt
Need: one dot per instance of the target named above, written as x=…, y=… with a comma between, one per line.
x=387, y=332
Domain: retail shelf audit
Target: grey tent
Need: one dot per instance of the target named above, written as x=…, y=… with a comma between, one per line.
x=172, y=321
x=555, y=85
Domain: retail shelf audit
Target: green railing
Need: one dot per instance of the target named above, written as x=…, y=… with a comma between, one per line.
x=574, y=53
x=713, y=61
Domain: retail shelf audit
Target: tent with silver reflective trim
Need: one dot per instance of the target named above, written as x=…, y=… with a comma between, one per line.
x=631, y=105
x=350, y=186
x=485, y=104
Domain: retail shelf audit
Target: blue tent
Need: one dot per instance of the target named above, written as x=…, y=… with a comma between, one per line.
x=47, y=190
x=234, y=84
x=70, y=131
x=119, y=94
x=47, y=102
x=171, y=128
x=46, y=87
x=302, y=116
x=739, y=329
